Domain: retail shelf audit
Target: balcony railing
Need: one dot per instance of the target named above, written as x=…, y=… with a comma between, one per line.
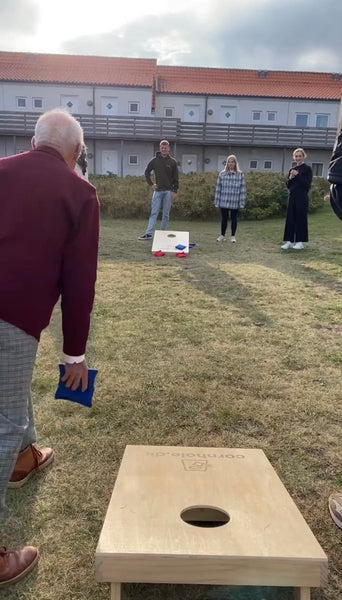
x=155, y=129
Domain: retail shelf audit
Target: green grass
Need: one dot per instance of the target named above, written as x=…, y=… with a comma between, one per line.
x=234, y=346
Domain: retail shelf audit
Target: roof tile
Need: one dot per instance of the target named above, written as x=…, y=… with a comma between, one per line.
x=89, y=70
x=143, y=72
x=245, y=82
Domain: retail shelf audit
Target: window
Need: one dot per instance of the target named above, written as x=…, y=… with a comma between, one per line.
x=321, y=120
x=168, y=112
x=301, y=120
x=133, y=107
x=267, y=164
x=133, y=159
x=253, y=164
x=21, y=102
x=256, y=115
x=317, y=169
x=37, y=102
x=271, y=116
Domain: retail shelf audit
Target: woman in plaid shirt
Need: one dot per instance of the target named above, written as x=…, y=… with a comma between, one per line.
x=230, y=195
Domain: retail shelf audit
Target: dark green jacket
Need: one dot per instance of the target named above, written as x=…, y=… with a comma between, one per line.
x=165, y=172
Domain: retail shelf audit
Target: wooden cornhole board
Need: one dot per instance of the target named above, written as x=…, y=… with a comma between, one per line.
x=145, y=540
x=167, y=240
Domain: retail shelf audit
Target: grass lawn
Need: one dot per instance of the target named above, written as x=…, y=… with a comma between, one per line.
x=238, y=345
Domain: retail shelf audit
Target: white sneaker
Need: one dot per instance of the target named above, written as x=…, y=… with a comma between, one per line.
x=232, y=239
x=287, y=245
x=221, y=238
x=298, y=246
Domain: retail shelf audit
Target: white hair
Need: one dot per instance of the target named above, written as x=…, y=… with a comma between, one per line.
x=58, y=129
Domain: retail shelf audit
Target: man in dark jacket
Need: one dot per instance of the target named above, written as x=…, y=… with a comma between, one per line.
x=335, y=178
x=165, y=187
x=335, y=174
x=49, y=223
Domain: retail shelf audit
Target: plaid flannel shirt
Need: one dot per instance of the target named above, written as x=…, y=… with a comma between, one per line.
x=230, y=190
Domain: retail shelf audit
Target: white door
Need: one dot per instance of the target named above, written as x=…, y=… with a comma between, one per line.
x=189, y=163
x=70, y=103
x=109, y=105
x=109, y=162
x=192, y=112
x=228, y=114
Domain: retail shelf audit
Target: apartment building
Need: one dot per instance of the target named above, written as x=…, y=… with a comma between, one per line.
x=127, y=105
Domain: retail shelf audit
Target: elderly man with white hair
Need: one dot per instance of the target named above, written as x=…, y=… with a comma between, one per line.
x=49, y=227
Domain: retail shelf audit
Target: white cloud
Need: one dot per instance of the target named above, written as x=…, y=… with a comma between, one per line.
x=256, y=34
x=168, y=48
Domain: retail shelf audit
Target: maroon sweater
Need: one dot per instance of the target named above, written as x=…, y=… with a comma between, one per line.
x=49, y=227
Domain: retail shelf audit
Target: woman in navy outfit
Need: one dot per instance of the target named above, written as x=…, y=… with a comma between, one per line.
x=298, y=183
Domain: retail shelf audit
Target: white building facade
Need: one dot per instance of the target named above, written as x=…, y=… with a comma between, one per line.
x=125, y=114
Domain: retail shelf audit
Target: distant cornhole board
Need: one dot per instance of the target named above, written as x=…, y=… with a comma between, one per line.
x=212, y=516
x=168, y=240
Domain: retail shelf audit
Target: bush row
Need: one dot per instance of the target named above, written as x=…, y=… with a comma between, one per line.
x=124, y=197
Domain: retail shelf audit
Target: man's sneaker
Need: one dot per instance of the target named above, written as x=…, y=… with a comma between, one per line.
x=287, y=245
x=298, y=246
x=232, y=239
x=335, y=508
x=221, y=238
x=145, y=236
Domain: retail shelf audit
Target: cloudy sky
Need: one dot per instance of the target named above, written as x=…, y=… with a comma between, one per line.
x=301, y=35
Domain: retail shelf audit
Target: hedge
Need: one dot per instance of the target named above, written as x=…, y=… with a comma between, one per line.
x=125, y=197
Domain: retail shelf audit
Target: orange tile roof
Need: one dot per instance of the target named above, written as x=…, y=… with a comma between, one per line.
x=143, y=72
x=245, y=82
x=90, y=70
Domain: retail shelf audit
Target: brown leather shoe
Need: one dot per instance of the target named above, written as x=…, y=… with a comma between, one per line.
x=16, y=564
x=28, y=462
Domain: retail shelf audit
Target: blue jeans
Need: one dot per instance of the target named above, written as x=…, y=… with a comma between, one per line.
x=160, y=198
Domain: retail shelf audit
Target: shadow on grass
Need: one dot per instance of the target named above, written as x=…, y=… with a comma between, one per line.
x=259, y=245
x=215, y=282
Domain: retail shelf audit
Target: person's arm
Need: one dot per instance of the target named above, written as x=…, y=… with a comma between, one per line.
x=175, y=178
x=242, y=199
x=218, y=191
x=289, y=179
x=78, y=288
x=148, y=170
x=337, y=150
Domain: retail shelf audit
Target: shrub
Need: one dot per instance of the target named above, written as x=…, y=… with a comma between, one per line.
x=266, y=195
x=124, y=197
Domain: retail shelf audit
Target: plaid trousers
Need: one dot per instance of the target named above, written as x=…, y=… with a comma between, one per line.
x=17, y=356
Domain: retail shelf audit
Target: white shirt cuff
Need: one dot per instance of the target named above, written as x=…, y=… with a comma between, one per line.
x=73, y=359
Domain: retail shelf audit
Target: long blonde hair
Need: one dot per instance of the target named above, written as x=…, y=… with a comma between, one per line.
x=237, y=168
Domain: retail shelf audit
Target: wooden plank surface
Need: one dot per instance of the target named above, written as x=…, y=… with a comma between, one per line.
x=115, y=591
x=302, y=594
x=144, y=539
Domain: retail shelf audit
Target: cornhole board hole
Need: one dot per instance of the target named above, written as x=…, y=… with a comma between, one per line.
x=168, y=240
x=212, y=516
